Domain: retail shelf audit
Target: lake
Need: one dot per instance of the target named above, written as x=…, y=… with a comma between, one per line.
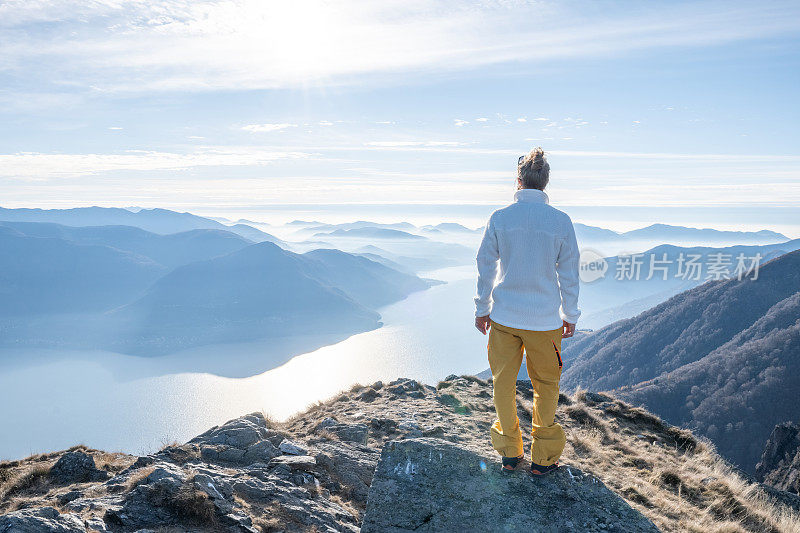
x=115, y=402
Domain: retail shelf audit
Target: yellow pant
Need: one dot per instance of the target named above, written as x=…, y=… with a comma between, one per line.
x=543, y=359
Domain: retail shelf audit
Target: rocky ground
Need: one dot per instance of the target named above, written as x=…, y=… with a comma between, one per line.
x=397, y=457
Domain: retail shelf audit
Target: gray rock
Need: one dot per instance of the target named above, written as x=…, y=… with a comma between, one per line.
x=144, y=506
x=237, y=433
x=368, y=395
x=255, y=489
x=433, y=431
x=433, y=485
x=41, y=520
x=325, y=423
x=408, y=425
x=292, y=448
x=780, y=462
x=350, y=432
x=77, y=467
x=95, y=524
x=353, y=465
x=294, y=462
x=69, y=496
x=403, y=386
x=260, y=452
x=383, y=425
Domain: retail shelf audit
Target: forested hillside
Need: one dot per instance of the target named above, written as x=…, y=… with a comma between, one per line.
x=722, y=358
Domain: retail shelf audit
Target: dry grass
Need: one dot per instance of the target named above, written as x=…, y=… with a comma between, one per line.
x=27, y=479
x=188, y=503
x=138, y=477
x=676, y=480
x=275, y=518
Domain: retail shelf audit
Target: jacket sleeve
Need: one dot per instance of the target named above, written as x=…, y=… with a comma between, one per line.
x=567, y=268
x=488, y=256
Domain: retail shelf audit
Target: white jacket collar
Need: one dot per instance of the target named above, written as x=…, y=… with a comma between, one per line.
x=531, y=195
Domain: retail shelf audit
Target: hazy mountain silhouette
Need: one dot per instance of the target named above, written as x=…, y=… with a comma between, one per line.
x=609, y=298
x=594, y=233
x=40, y=275
x=169, y=250
x=677, y=234
x=451, y=227
x=358, y=224
x=371, y=233
x=261, y=291
x=154, y=220
x=362, y=279
x=669, y=234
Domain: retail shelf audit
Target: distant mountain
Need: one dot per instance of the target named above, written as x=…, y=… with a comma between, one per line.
x=451, y=227
x=421, y=256
x=41, y=275
x=371, y=233
x=161, y=221
x=678, y=234
x=304, y=223
x=625, y=290
x=257, y=292
x=261, y=291
x=253, y=234
x=365, y=281
x=593, y=233
x=358, y=224
x=169, y=250
x=386, y=262
x=723, y=358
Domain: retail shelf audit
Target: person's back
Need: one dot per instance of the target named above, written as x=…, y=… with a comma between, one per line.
x=528, y=294
x=535, y=243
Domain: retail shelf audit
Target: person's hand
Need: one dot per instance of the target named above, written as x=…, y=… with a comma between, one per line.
x=483, y=323
x=568, y=330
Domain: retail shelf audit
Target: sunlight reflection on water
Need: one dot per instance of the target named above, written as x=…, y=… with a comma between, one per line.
x=96, y=398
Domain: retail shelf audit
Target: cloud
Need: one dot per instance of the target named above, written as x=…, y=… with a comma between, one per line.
x=115, y=127
x=541, y=119
x=458, y=122
x=43, y=166
x=408, y=144
x=482, y=119
x=325, y=123
x=260, y=128
x=137, y=45
x=521, y=119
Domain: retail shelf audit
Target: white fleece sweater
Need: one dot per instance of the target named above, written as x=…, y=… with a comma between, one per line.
x=528, y=265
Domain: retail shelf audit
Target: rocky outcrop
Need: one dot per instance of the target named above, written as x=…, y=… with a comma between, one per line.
x=780, y=462
x=233, y=477
x=430, y=484
x=42, y=519
x=395, y=457
x=77, y=467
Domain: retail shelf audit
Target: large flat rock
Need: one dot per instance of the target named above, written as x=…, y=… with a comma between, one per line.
x=428, y=484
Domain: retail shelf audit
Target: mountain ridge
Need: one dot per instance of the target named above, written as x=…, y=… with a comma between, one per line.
x=333, y=467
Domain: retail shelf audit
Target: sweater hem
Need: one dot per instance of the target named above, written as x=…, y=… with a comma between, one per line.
x=527, y=326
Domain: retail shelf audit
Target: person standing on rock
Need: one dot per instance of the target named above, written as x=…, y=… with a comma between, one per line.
x=527, y=300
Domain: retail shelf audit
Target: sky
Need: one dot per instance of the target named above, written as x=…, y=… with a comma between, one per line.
x=221, y=105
